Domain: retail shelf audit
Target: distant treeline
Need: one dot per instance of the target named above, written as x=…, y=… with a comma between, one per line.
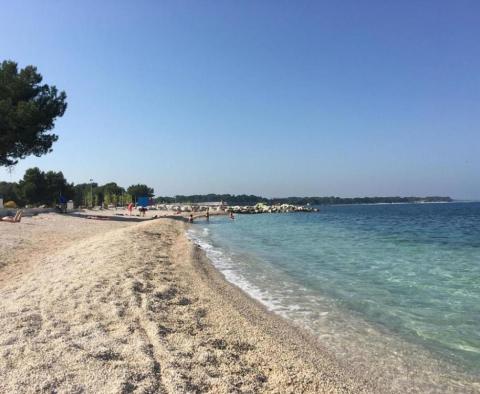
x=243, y=199
x=46, y=188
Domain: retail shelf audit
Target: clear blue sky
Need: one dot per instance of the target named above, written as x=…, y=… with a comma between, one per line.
x=276, y=98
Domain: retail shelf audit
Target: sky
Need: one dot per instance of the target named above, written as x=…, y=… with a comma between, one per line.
x=274, y=98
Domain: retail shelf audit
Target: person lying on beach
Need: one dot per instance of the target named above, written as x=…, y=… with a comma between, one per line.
x=13, y=219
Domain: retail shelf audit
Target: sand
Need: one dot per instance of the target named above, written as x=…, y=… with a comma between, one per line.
x=91, y=306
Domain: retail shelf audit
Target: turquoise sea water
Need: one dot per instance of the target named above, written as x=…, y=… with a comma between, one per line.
x=391, y=290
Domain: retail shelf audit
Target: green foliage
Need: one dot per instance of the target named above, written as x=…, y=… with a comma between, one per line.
x=244, y=199
x=81, y=194
x=140, y=191
x=91, y=194
x=113, y=189
x=127, y=199
x=28, y=110
x=38, y=187
x=112, y=194
x=33, y=186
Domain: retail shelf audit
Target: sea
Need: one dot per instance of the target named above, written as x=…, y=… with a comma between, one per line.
x=392, y=291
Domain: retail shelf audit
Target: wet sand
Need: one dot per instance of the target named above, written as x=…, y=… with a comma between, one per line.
x=115, y=306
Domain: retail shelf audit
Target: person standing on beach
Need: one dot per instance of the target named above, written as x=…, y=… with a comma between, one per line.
x=130, y=208
x=63, y=204
x=142, y=211
x=207, y=215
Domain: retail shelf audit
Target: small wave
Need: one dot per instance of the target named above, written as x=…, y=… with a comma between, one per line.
x=225, y=264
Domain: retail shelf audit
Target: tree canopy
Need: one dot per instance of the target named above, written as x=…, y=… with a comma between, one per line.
x=45, y=188
x=38, y=187
x=243, y=199
x=28, y=110
x=140, y=191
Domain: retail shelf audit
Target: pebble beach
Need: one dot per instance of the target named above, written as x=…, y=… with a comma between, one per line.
x=127, y=306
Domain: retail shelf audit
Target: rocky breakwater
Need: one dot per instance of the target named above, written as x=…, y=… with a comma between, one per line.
x=264, y=208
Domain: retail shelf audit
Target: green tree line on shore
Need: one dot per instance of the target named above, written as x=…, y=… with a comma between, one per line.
x=244, y=199
x=46, y=188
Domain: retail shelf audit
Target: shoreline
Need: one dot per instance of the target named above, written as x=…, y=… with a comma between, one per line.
x=293, y=337
x=405, y=365
x=110, y=306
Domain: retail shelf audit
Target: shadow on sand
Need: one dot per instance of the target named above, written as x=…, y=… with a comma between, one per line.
x=119, y=218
